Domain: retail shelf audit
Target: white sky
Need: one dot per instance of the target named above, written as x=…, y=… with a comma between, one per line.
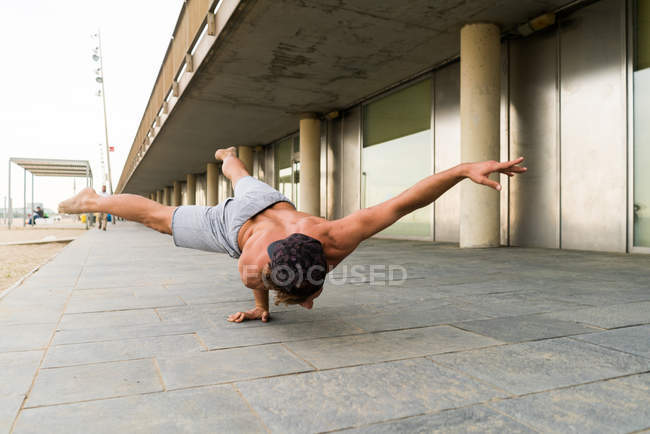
x=49, y=105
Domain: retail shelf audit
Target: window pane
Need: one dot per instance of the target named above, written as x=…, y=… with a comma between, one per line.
x=397, y=153
x=287, y=168
x=642, y=128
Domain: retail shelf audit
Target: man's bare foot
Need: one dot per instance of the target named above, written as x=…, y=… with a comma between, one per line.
x=80, y=203
x=222, y=154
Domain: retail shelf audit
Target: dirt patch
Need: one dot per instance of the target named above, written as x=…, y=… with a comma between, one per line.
x=16, y=261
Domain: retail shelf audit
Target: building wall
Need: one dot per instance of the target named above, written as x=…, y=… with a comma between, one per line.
x=564, y=108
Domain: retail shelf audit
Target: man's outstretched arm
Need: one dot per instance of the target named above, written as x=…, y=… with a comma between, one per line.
x=349, y=231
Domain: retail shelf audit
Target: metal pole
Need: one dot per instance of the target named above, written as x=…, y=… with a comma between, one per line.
x=33, y=221
x=108, y=158
x=87, y=214
x=10, y=211
x=24, y=196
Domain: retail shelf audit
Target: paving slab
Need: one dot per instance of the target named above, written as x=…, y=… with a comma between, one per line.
x=25, y=336
x=273, y=332
x=204, y=410
x=614, y=406
x=601, y=293
x=525, y=328
x=543, y=365
x=408, y=315
x=100, y=334
x=635, y=340
x=103, y=303
x=377, y=347
x=514, y=303
x=17, y=371
x=349, y=397
x=9, y=406
x=111, y=351
x=478, y=418
x=31, y=307
x=618, y=315
x=86, y=382
x=109, y=319
x=213, y=367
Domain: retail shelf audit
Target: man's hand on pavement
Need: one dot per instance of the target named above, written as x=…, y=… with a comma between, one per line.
x=255, y=313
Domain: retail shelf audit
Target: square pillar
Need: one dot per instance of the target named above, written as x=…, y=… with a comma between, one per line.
x=176, y=194
x=212, y=184
x=309, y=199
x=167, y=196
x=245, y=155
x=191, y=189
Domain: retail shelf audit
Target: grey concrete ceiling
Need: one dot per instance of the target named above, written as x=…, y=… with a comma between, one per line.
x=279, y=58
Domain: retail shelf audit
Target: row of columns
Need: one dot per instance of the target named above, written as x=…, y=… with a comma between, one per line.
x=480, y=94
x=172, y=195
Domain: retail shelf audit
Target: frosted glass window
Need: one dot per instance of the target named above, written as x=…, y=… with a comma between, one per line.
x=397, y=153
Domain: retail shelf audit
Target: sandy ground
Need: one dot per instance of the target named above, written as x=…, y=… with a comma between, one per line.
x=17, y=260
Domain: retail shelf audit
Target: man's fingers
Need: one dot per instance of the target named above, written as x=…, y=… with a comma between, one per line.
x=510, y=163
x=488, y=182
x=251, y=314
x=236, y=317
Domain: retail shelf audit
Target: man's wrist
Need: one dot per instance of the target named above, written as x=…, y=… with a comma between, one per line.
x=461, y=170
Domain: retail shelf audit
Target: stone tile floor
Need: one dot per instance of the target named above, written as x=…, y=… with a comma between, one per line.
x=122, y=332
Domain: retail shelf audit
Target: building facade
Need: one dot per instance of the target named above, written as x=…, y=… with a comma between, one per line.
x=573, y=98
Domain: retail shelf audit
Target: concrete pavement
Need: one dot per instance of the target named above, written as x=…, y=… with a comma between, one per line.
x=124, y=332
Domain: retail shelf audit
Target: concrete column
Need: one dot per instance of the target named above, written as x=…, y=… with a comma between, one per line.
x=212, y=184
x=480, y=93
x=309, y=198
x=167, y=196
x=176, y=194
x=245, y=154
x=258, y=162
x=191, y=189
x=159, y=196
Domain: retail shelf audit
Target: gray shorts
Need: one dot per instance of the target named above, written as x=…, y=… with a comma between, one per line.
x=215, y=228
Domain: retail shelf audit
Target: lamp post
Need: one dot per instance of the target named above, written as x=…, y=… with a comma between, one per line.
x=98, y=57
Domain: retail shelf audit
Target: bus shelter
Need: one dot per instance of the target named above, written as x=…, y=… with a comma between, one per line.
x=45, y=167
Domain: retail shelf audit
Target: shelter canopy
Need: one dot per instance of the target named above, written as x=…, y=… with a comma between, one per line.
x=54, y=167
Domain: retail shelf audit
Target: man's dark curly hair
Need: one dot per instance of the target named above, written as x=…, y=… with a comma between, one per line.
x=297, y=268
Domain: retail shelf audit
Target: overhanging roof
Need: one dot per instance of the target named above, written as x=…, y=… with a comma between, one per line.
x=52, y=167
x=277, y=59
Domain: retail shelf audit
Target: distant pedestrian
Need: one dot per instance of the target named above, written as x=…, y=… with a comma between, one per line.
x=102, y=222
x=38, y=214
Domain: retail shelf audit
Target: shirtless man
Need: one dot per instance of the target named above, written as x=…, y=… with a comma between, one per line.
x=278, y=247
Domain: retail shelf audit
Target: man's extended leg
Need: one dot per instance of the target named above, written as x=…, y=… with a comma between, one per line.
x=129, y=206
x=232, y=167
